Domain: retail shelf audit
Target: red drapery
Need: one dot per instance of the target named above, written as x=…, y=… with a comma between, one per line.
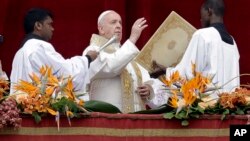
x=122, y=127
x=75, y=21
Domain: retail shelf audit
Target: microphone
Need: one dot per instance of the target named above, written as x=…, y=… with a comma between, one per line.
x=110, y=41
x=1, y=38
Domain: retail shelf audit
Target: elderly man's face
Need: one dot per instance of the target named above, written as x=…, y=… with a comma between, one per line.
x=111, y=25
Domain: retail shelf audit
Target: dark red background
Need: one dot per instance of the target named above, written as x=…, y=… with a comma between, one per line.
x=75, y=21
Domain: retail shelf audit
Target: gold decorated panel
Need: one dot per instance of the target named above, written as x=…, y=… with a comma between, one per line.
x=168, y=43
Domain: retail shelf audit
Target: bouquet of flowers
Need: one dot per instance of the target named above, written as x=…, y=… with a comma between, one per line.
x=192, y=98
x=47, y=93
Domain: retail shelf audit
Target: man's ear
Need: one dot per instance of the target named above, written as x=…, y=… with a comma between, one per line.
x=210, y=11
x=100, y=29
x=38, y=26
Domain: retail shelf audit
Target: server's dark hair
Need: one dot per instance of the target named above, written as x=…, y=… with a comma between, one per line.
x=217, y=6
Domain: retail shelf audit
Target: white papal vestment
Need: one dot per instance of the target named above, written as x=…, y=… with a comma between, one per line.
x=113, y=78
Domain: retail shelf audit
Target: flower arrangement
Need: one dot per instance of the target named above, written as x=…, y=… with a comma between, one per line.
x=48, y=94
x=9, y=113
x=45, y=95
x=190, y=98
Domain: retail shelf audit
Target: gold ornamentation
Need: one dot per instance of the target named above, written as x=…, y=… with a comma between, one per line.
x=170, y=39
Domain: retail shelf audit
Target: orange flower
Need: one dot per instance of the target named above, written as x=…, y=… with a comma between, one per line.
x=40, y=92
x=35, y=79
x=189, y=90
x=4, y=87
x=174, y=100
x=46, y=71
x=81, y=102
x=49, y=91
x=27, y=87
x=69, y=89
x=173, y=78
x=165, y=81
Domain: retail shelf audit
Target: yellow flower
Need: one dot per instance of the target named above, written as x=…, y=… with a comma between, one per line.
x=52, y=112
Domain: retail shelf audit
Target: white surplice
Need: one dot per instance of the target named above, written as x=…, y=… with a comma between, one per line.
x=213, y=57
x=105, y=74
x=36, y=53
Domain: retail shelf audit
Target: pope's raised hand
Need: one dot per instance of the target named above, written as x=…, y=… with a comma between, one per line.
x=138, y=26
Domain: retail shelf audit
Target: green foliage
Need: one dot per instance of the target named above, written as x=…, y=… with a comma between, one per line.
x=169, y=115
x=184, y=123
x=100, y=106
x=195, y=111
x=60, y=105
x=37, y=117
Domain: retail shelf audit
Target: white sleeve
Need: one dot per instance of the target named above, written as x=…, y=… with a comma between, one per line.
x=76, y=66
x=91, y=47
x=108, y=65
x=158, y=96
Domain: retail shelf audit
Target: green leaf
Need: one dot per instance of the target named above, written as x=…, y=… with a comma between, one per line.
x=37, y=117
x=181, y=115
x=201, y=110
x=223, y=117
x=100, y=106
x=159, y=110
x=239, y=111
x=60, y=105
x=169, y=115
x=191, y=110
x=184, y=123
x=226, y=112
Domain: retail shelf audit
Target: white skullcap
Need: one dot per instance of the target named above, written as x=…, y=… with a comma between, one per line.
x=103, y=14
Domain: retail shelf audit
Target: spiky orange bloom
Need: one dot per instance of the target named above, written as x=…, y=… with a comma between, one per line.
x=27, y=87
x=174, y=100
x=69, y=89
x=173, y=78
x=189, y=89
x=44, y=90
x=81, y=102
x=4, y=87
x=35, y=79
x=40, y=90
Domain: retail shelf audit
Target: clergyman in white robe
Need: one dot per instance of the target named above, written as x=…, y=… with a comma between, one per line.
x=36, y=53
x=113, y=78
x=213, y=57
